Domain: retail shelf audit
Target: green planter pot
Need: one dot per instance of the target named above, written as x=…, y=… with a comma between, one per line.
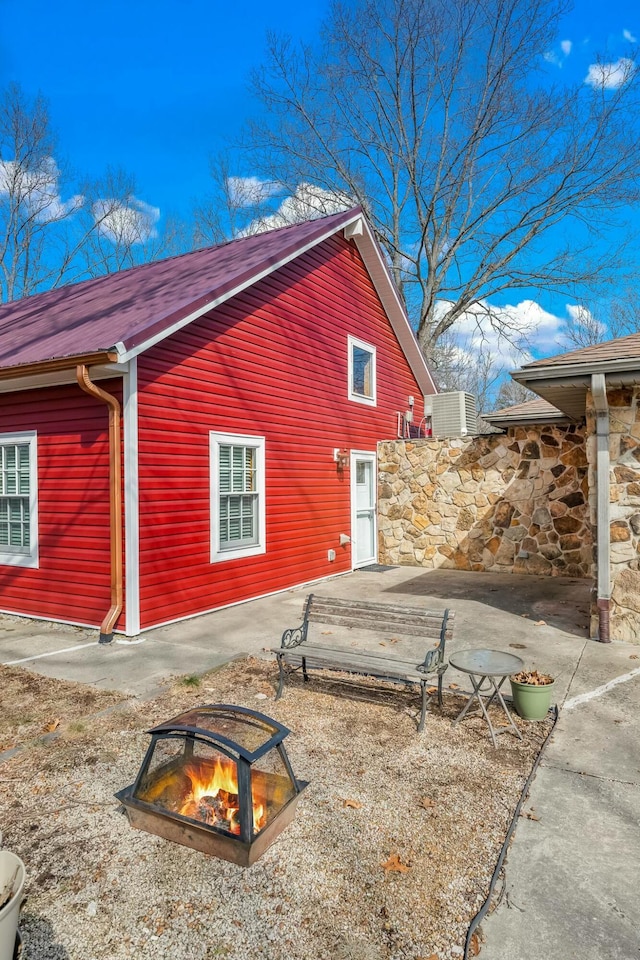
x=531, y=702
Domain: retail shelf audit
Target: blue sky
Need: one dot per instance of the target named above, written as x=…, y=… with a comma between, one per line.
x=157, y=87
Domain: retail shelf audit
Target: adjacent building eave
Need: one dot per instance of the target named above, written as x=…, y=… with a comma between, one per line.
x=566, y=385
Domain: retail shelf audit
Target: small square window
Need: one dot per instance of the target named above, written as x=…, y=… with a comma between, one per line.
x=18, y=500
x=362, y=372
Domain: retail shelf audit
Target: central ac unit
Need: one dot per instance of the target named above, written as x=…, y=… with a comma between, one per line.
x=452, y=414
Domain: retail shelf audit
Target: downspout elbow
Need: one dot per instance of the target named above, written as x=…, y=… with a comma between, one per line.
x=115, y=500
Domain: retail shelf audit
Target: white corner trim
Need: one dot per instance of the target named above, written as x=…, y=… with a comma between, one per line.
x=131, y=500
x=216, y=301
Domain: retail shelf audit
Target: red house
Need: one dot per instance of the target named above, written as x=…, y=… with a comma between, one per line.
x=199, y=431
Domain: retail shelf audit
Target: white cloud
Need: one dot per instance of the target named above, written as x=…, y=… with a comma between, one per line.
x=307, y=203
x=128, y=222
x=610, y=76
x=629, y=36
x=557, y=59
x=508, y=332
x=36, y=189
x=247, y=191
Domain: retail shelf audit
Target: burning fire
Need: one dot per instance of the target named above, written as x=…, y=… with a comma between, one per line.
x=213, y=797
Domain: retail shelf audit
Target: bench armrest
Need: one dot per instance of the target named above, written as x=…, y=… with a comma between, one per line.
x=294, y=636
x=436, y=656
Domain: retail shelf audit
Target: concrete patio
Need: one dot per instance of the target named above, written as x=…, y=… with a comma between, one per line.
x=570, y=876
x=548, y=615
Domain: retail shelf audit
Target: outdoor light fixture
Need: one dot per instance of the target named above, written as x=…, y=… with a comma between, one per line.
x=341, y=457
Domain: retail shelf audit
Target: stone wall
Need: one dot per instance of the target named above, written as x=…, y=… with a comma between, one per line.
x=624, y=496
x=513, y=503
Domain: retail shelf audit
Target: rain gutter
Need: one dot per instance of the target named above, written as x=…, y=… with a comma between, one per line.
x=59, y=363
x=603, y=602
x=115, y=500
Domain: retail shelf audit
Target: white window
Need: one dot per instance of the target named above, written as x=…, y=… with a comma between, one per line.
x=237, y=496
x=362, y=372
x=19, y=499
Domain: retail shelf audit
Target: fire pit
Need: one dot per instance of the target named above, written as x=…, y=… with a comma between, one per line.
x=216, y=778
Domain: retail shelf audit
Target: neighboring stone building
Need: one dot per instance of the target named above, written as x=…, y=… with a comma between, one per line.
x=557, y=494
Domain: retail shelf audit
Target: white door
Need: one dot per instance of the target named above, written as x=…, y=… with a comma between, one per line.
x=363, y=509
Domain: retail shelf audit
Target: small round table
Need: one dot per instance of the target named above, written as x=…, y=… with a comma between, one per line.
x=484, y=667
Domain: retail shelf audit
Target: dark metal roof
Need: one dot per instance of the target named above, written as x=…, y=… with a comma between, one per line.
x=133, y=306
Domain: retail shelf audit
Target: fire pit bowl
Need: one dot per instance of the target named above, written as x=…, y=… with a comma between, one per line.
x=216, y=778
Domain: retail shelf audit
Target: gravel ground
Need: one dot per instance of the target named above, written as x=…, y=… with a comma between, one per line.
x=380, y=794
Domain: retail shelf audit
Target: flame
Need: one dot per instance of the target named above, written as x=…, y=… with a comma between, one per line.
x=214, y=796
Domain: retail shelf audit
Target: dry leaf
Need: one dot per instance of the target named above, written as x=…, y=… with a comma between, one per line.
x=530, y=815
x=540, y=623
x=394, y=640
x=454, y=686
x=525, y=614
x=352, y=803
x=52, y=725
x=634, y=656
x=431, y=690
x=518, y=646
x=381, y=644
x=327, y=633
x=427, y=803
x=474, y=944
x=395, y=865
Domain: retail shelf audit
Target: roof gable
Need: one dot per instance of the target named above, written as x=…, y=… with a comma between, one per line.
x=127, y=312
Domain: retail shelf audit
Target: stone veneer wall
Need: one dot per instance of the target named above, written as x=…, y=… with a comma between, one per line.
x=624, y=496
x=513, y=503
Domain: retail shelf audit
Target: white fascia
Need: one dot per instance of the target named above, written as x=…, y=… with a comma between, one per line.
x=216, y=301
x=371, y=254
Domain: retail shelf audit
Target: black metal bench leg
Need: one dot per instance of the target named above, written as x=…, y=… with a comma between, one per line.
x=423, y=684
x=304, y=670
x=281, y=684
x=440, y=678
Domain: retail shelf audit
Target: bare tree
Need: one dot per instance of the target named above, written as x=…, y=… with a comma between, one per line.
x=31, y=206
x=442, y=120
x=54, y=230
x=119, y=231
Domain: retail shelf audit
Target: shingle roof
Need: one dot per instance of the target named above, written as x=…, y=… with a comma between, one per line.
x=623, y=348
x=134, y=305
x=537, y=409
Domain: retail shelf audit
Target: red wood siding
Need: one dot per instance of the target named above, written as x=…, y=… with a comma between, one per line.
x=72, y=582
x=270, y=362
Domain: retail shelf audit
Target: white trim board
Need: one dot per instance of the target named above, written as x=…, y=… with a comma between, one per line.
x=131, y=500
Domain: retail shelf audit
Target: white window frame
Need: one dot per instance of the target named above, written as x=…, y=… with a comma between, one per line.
x=360, y=397
x=17, y=557
x=216, y=440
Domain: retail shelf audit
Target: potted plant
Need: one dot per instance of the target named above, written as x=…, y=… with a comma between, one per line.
x=531, y=692
x=12, y=877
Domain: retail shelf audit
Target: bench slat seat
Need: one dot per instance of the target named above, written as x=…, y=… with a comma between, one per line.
x=296, y=653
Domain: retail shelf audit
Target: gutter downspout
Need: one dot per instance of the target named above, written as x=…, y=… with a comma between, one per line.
x=599, y=393
x=115, y=500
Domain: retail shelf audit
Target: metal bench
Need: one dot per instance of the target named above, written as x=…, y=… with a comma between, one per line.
x=296, y=653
